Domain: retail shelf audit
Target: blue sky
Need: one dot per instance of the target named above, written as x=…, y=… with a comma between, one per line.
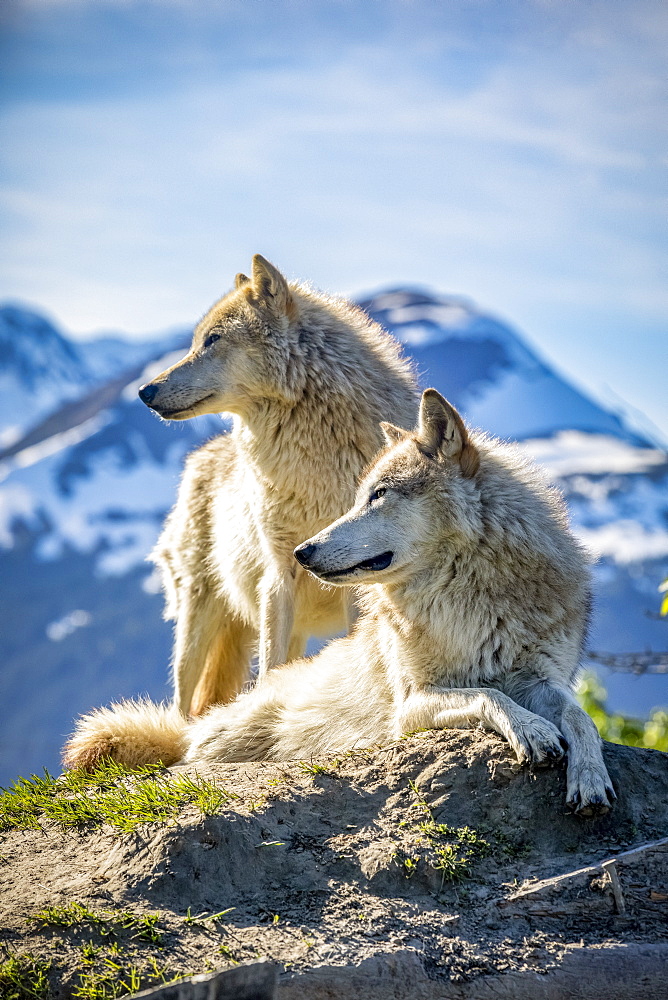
x=513, y=152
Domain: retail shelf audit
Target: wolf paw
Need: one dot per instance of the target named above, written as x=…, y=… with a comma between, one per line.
x=539, y=742
x=589, y=791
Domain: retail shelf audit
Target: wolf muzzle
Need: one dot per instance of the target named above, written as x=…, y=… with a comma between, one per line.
x=303, y=553
x=307, y=556
x=147, y=393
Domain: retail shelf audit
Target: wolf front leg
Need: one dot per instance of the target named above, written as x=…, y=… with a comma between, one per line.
x=589, y=789
x=212, y=652
x=533, y=738
x=277, y=612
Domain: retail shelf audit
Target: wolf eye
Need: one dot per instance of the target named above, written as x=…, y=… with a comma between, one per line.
x=211, y=339
x=377, y=494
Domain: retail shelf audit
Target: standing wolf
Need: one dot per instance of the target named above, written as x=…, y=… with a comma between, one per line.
x=307, y=378
x=474, y=597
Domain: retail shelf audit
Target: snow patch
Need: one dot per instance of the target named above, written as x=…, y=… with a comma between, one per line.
x=16, y=504
x=52, y=445
x=450, y=316
x=10, y=435
x=568, y=453
x=624, y=542
x=391, y=300
x=128, y=550
x=152, y=584
x=59, y=630
x=417, y=334
x=116, y=511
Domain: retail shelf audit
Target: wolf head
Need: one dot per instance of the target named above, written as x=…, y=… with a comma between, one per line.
x=419, y=490
x=239, y=351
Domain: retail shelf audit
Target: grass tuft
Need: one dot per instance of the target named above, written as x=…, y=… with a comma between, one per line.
x=114, y=979
x=227, y=953
x=24, y=977
x=141, y=926
x=451, y=850
x=313, y=768
x=111, y=794
x=203, y=919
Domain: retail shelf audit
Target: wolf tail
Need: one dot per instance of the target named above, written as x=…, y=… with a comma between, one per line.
x=132, y=733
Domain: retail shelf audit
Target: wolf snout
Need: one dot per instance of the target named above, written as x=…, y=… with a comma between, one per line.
x=147, y=393
x=304, y=553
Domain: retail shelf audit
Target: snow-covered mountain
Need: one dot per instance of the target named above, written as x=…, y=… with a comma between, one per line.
x=40, y=369
x=87, y=474
x=489, y=372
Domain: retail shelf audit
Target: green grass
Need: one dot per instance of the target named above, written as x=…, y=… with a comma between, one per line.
x=111, y=794
x=114, y=965
x=509, y=846
x=112, y=979
x=313, y=768
x=651, y=733
x=228, y=954
x=90, y=951
x=202, y=919
x=332, y=767
x=24, y=977
x=450, y=850
x=141, y=926
x=105, y=970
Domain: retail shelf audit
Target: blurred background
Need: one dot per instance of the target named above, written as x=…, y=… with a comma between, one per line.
x=487, y=177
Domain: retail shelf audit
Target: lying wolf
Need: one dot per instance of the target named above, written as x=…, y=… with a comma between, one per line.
x=474, y=602
x=307, y=378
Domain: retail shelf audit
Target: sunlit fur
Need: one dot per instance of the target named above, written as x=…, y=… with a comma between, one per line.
x=479, y=619
x=308, y=378
x=148, y=734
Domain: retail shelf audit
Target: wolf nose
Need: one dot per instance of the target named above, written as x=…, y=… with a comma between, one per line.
x=147, y=393
x=303, y=553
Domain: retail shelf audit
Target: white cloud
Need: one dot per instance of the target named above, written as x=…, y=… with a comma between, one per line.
x=134, y=181
x=525, y=175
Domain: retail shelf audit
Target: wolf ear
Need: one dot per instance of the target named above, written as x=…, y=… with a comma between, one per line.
x=392, y=433
x=241, y=279
x=442, y=434
x=269, y=289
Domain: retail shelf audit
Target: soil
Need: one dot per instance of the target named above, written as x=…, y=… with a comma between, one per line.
x=314, y=867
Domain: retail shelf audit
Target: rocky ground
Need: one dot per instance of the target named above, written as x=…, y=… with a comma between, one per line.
x=416, y=870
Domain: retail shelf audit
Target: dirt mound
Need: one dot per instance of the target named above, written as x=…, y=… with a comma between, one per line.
x=416, y=870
